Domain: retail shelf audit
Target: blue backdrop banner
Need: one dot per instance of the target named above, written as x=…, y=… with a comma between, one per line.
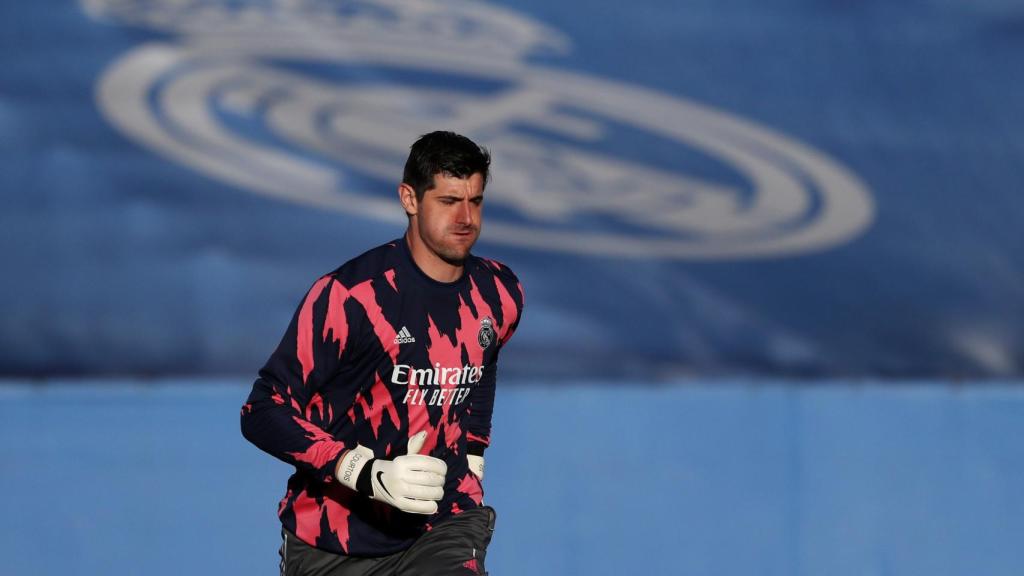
x=788, y=188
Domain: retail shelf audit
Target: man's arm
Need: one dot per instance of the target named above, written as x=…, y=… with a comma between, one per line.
x=285, y=414
x=481, y=407
x=481, y=399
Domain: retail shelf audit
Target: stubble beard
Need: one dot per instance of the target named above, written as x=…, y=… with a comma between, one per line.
x=451, y=253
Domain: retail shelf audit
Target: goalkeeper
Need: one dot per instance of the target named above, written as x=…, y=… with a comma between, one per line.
x=381, y=391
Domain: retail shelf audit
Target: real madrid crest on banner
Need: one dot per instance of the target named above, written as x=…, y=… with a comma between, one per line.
x=273, y=97
x=486, y=334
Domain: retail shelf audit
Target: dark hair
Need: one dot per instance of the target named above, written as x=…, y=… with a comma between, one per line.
x=444, y=153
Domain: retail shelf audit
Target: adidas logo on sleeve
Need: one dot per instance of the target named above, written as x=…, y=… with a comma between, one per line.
x=404, y=337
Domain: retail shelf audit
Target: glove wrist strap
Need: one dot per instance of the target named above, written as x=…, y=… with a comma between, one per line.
x=365, y=482
x=353, y=466
x=476, y=465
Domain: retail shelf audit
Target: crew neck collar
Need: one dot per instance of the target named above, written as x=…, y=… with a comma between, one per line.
x=403, y=244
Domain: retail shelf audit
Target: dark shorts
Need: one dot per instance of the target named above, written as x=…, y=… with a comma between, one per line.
x=456, y=547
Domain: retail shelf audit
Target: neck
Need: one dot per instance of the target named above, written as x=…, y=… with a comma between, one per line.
x=430, y=263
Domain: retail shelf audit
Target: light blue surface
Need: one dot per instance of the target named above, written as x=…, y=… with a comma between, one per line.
x=697, y=478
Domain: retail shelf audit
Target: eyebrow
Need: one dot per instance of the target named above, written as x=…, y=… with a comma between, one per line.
x=453, y=197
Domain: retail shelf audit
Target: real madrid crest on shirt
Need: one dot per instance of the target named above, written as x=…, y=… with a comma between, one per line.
x=486, y=333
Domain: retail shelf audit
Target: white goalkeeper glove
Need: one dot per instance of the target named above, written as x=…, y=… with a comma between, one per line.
x=412, y=483
x=476, y=465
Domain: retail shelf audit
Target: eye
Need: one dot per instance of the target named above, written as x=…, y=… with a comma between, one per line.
x=478, y=200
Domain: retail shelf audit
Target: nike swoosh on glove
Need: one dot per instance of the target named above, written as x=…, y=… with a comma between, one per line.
x=412, y=483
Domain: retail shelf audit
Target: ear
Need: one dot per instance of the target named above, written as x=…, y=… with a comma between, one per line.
x=407, y=196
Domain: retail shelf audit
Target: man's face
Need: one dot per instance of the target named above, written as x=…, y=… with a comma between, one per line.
x=449, y=216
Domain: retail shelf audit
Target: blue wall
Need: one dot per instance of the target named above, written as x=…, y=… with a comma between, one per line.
x=702, y=477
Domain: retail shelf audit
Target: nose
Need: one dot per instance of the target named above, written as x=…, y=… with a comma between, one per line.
x=465, y=212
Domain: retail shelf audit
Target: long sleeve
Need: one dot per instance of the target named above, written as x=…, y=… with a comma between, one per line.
x=377, y=352
x=481, y=399
x=481, y=407
x=285, y=414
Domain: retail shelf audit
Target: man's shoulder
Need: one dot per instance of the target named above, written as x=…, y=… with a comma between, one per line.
x=367, y=266
x=502, y=273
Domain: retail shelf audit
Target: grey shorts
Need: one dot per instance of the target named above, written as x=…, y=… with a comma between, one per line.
x=456, y=547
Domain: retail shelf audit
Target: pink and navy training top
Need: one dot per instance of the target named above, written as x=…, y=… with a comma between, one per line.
x=377, y=352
